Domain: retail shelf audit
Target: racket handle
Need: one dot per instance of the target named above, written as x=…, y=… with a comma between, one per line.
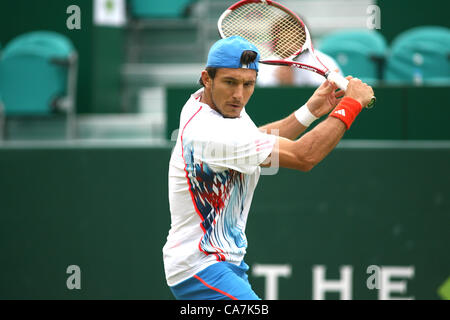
x=342, y=83
x=339, y=80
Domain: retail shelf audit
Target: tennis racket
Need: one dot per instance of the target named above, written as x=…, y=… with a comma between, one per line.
x=278, y=33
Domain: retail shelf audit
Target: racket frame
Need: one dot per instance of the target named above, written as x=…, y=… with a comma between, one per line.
x=333, y=76
x=289, y=61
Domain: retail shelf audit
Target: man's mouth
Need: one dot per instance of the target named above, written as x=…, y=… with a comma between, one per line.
x=234, y=105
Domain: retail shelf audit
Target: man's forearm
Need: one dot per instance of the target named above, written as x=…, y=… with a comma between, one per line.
x=319, y=142
x=288, y=127
x=303, y=154
x=311, y=148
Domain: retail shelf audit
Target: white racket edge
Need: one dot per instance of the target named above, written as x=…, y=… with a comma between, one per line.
x=339, y=80
x=219, y=22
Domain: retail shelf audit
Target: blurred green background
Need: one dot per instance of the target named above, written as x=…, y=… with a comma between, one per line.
x=99, y=200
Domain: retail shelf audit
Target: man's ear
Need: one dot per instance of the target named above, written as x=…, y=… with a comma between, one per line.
x=206, y=79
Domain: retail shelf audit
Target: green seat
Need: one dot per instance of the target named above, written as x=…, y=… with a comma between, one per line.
x=34, y=72
x=420, y=56
x=360, y=53
x=56, y=44
x=158, y=9
x=38, y=75
x=434, y=33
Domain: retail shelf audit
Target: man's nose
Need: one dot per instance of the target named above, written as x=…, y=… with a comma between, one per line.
x=238, y=93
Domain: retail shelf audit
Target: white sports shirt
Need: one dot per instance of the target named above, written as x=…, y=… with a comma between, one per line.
x=213, y=172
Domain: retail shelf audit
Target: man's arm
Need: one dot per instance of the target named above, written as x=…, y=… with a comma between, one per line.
x=306, y=152
x=321, y=102
x=288, y=127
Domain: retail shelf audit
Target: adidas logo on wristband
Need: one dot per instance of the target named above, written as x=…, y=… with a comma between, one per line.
x=347, y=110
x=341, y=112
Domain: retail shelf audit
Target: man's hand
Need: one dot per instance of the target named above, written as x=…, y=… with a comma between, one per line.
x=359, y=91
x=324, y=99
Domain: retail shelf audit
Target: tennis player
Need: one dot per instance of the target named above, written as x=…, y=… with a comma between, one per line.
x=216, y=164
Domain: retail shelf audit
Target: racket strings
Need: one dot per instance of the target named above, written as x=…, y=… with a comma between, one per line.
x=275, y=32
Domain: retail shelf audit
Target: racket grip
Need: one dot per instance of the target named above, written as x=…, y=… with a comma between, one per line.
x=342, y=83
x=339, y=80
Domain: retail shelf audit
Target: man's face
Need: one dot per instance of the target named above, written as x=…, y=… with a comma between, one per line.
x=230, y=90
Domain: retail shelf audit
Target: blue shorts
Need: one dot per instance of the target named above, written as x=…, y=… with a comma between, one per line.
x=220, y=281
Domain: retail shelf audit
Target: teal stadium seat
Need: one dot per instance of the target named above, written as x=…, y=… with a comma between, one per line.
x=34, y=72
x=360, y=53
x=38, y=74
x=420, y=56
x=158, y=9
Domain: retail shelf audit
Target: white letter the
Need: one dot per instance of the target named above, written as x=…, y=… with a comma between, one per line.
x=387, y=286
x=272, y=272
x=321, y=285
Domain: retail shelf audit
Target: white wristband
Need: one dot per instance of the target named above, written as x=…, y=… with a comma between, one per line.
x=304, y=116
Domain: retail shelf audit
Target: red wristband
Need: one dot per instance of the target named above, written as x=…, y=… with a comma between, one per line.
x=347, y=110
